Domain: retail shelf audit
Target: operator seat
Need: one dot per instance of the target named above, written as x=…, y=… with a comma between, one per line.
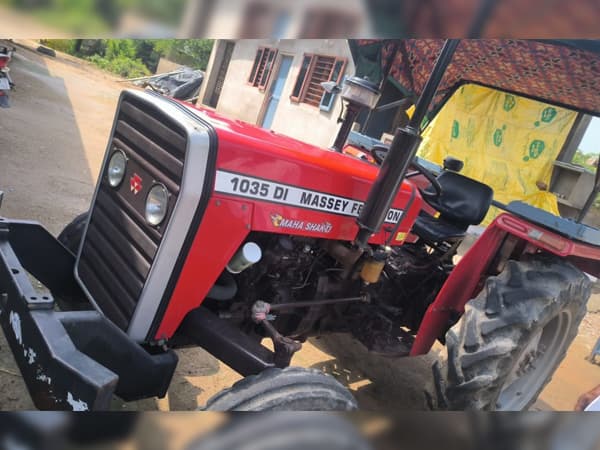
x=463, y=202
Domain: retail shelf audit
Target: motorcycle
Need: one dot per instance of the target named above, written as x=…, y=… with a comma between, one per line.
x=6, y=83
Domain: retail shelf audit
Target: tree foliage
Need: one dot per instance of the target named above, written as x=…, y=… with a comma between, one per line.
x=584, y=160
x=89, y=16
x=190, y=52
x=136, y=57
x=120, y=48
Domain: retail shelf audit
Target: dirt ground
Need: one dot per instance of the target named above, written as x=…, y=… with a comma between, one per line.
x=52, y=142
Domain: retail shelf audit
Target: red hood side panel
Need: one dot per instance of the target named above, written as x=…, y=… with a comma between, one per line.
x=297, y=188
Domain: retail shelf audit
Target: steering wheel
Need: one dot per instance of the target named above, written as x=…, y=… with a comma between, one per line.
x=379, y=152
x=435, y=184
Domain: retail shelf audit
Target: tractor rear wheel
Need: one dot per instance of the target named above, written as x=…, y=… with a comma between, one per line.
x=71, y=235
x=514, y=334
x=289, y=389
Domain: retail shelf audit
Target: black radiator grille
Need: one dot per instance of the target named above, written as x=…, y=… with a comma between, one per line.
x=119, y=246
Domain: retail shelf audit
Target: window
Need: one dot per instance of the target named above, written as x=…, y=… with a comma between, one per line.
x=261, y=69
x=328, y=97
x=257, y=61
x=221, y=74
x=301, y=76
x=316, y=69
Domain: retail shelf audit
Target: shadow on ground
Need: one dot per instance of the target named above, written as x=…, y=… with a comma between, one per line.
x=45, y=159
x=43, y=166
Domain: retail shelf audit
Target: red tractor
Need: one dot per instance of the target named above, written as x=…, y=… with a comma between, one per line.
x=212, y=232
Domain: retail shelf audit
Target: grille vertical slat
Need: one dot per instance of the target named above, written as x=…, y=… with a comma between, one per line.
x=117, y=243
x=115, y=287
x=151, y=152
x=169, y=139
x=114, y=201
x=118, y=238
x=132, y=276
x=144, y=244
x=101, y=296
x=119, y=246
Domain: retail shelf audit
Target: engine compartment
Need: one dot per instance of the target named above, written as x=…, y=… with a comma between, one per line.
x=317, y=286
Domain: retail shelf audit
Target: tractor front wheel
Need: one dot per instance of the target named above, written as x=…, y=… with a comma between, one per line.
x=514, y=334
x=71, y=235
x=289, y=389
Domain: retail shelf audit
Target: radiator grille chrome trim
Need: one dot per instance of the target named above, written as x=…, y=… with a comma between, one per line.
x=154, y=253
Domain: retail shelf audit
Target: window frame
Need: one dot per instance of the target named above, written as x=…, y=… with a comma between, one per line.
x=264, y=59
x=301, y=97
x=329, y=106
x=268, y=69
x=255, y=65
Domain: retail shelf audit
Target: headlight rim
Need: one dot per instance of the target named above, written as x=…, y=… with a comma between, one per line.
x=155, y=185
x=108, y=167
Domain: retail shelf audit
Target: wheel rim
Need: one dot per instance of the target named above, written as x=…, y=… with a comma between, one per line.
x=534, y=364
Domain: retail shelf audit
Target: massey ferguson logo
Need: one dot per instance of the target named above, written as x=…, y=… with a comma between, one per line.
x=135, y=183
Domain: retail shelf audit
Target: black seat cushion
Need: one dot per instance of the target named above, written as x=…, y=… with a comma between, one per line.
x=434, y=230
x=463, y=201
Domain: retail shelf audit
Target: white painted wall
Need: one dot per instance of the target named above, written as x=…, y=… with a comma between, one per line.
x=244, y=102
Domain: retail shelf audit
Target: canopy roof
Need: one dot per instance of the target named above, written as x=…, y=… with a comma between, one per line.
x=565, y=73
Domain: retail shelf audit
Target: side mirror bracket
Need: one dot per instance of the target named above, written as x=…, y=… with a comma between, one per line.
x=331, y=87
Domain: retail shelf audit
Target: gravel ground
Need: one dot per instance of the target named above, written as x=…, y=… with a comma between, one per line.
x=53, y=140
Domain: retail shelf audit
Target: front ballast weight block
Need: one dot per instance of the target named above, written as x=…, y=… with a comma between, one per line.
x=70, y=360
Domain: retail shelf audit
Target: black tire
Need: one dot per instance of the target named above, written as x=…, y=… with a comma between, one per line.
x=283, y=431
x=71, y=235
x=289, y=389
x=514, y=334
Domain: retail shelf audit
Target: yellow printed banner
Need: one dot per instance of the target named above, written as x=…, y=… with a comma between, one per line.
x=506, y=141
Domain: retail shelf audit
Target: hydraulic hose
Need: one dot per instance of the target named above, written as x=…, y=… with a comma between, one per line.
x=224, y=289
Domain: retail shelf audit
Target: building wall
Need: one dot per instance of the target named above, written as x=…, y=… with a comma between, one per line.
x=238, y=99
x=242, y=101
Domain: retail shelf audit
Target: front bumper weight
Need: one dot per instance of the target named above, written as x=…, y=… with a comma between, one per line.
x=70, y=360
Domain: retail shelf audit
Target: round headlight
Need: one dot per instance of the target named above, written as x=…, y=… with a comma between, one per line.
x=116, y=168
x=156, y=204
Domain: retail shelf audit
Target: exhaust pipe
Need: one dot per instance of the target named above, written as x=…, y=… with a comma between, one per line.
x=401, y=153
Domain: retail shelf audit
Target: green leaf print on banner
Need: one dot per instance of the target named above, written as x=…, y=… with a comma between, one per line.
x=535, y=149
x=498, y=136
x=455, y=129
x=509, y=102
x=548, y=114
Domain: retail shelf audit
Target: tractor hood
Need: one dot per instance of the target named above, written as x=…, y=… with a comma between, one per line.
x=560, y=72
x=301, y=184
x=283, y=149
